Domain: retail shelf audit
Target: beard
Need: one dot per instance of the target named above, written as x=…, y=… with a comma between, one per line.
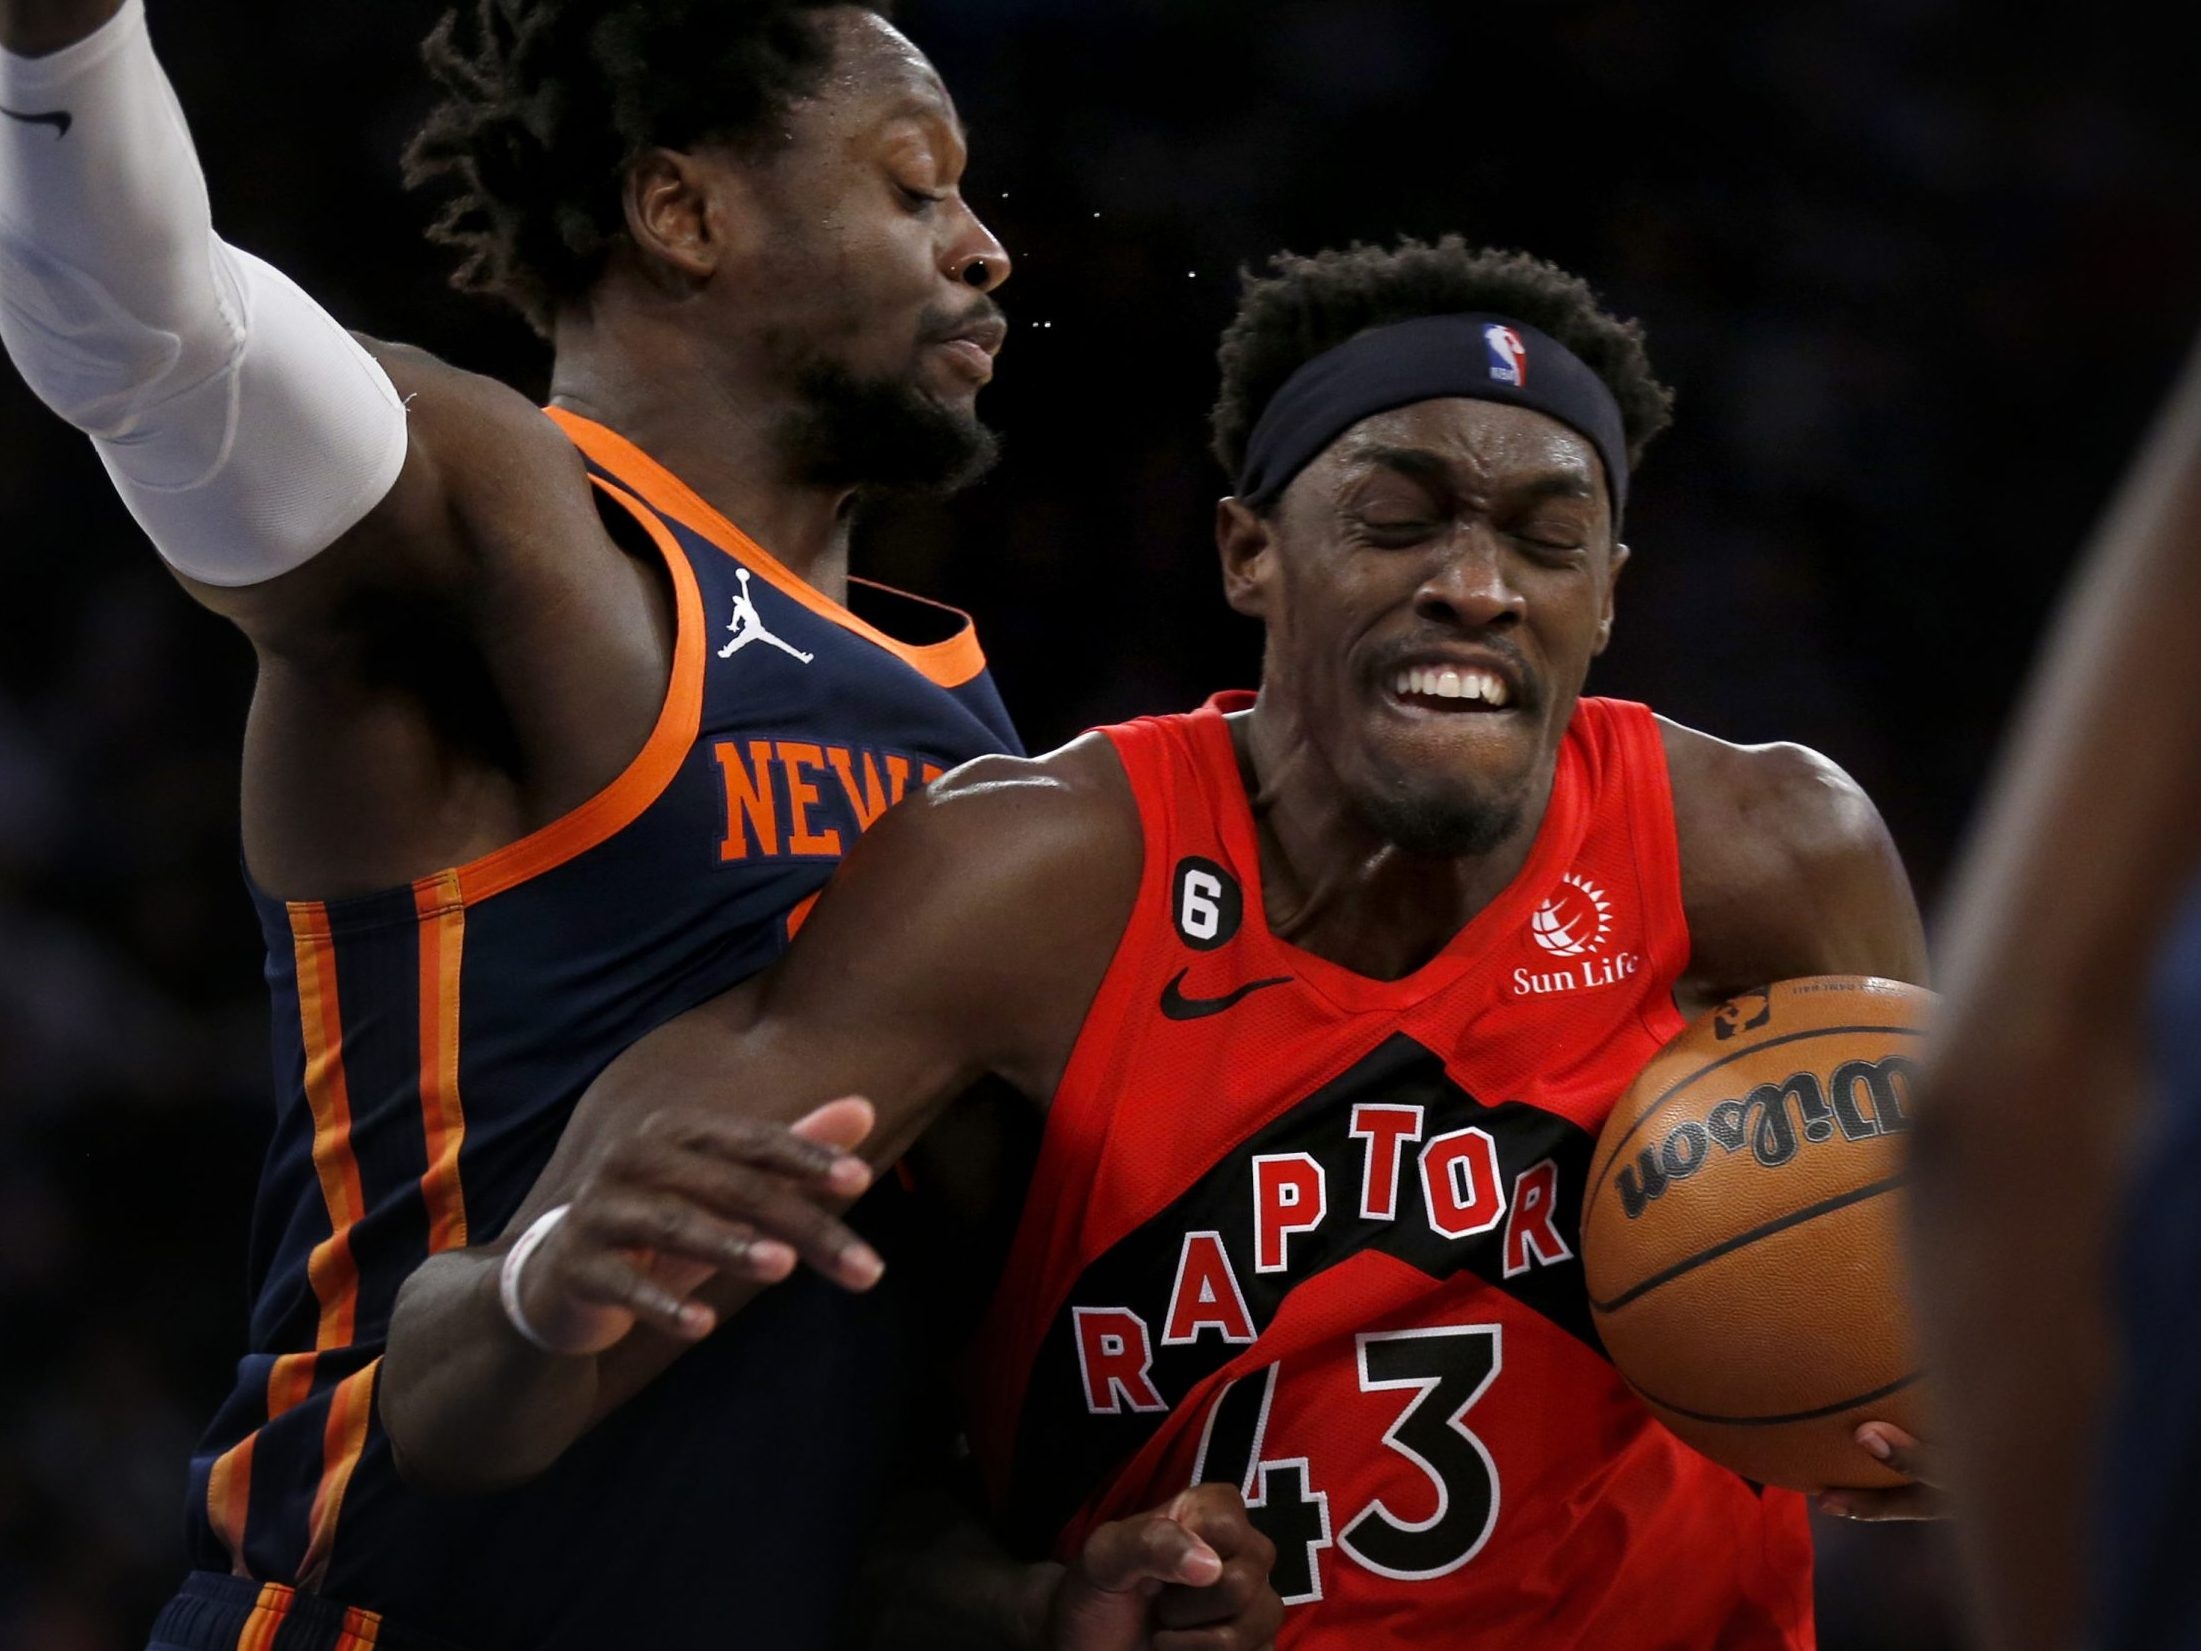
x=882, y=435
x=1442, y=826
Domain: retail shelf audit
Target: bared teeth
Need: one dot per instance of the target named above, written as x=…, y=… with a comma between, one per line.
x=1450, y=682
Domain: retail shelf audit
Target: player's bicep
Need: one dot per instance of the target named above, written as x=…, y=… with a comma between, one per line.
x=1881, y=932
x=1789, y=870
x=1827, y=893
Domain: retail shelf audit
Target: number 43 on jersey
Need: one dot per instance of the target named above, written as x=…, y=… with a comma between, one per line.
x=1445, y=1369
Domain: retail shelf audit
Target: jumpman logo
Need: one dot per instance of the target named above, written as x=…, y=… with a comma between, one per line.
x=748, y=628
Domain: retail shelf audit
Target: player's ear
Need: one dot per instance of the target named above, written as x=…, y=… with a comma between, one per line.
x=680, y=212
x=1612, y=581
x=1246, y=544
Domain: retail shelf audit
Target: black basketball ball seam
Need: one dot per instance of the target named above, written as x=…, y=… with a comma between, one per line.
x=1819, y=1414
x=1743, y=1240
x=1598, y=1176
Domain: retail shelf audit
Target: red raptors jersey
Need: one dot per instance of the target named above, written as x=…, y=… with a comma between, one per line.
x=1314, y=1234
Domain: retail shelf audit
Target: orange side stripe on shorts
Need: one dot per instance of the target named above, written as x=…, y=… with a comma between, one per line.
x=229, y=1483
x=229, y=1498
x=351, y=1403
x=334, y=1275
x=361, y=1628
x=289, y=1382
x=268, y=1612
x=442, y=910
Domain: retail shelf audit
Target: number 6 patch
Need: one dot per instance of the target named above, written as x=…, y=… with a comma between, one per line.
x=1205, y=903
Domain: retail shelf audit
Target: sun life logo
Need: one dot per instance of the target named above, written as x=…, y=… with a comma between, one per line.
x=1575, y=921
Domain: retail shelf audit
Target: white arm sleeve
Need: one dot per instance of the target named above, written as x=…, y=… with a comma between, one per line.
x=245, y=429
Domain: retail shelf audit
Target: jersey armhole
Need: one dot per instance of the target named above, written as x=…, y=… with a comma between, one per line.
x=603, y=816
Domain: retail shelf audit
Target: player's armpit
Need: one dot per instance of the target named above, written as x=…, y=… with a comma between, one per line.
x=1787, y=870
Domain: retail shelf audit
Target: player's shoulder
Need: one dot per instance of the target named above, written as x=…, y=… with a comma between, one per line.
x=466, y=414
x=490, y=486
x=1071, y=802
x=1786, y=867
x=994, y=880
x=1779, y=801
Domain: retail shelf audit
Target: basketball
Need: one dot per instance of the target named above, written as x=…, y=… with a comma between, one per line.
x=1742, y=1229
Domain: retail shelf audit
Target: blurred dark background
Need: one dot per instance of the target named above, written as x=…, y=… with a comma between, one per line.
x=1917, y=273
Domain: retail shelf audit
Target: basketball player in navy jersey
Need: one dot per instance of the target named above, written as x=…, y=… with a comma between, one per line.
x=2059, y=1129
x=513, y=795
x=1316, y=1086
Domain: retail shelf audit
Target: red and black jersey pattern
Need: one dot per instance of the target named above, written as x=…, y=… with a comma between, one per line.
x=1393, y=1158
x=1315, y=1234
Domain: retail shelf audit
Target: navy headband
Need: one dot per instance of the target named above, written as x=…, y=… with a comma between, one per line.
x=1486, y=357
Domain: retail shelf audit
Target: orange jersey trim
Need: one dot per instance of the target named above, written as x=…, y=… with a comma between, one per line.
x=343, y=1441
x=443, y=1119
x=622, y=802
x=948, y=664
x=334, y=1274
x=266, y=1621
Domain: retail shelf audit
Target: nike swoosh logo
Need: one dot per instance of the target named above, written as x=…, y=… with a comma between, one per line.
x=1179, y=1007
x=59, y=120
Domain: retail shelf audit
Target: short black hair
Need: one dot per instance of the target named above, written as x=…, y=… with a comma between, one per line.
x=551, y=100
x=1306, y=305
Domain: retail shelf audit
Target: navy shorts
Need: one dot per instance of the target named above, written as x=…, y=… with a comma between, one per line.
x=233, y=1613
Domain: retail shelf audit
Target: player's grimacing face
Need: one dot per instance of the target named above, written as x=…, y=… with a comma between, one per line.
x=1437, y=584
x=874, y=263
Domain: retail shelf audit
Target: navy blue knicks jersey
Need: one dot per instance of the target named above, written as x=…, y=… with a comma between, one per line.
x=430, y=1044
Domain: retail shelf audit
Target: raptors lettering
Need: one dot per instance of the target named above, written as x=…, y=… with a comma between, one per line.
x=1449, y=1191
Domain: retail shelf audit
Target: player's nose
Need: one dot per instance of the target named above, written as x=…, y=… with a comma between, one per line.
x=976, y=258
x=1467, y=584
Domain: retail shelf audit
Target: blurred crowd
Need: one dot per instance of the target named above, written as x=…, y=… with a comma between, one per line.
x=1917, y=274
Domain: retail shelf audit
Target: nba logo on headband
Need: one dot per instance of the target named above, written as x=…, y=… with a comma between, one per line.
x=1508, y=355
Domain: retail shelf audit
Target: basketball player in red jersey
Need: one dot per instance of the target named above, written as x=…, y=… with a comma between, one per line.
x=1325, y=994
x=507, y=686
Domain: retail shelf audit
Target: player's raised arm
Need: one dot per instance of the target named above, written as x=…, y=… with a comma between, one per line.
x=2091, y=830
x=244, y=428
x=965, y=934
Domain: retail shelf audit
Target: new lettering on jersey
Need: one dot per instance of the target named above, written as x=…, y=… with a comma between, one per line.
x=1321, y=1244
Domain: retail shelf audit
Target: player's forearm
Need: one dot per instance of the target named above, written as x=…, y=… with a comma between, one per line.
x=36, y=27
x=2089, y=833
x=469, y=1405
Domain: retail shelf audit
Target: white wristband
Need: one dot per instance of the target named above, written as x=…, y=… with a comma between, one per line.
x=508, y=1277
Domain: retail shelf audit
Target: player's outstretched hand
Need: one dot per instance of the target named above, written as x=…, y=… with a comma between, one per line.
x=1190, y=1576
x=1891, y=1447
x=690, y=1195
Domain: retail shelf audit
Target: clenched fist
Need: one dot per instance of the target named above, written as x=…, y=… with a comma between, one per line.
x=1191, y=1576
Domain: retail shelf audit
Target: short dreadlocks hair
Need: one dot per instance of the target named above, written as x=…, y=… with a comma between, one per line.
x=1305, y=306
x=551, y=100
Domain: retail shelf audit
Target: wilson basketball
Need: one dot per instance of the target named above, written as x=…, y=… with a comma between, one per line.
x=1742, y=1230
